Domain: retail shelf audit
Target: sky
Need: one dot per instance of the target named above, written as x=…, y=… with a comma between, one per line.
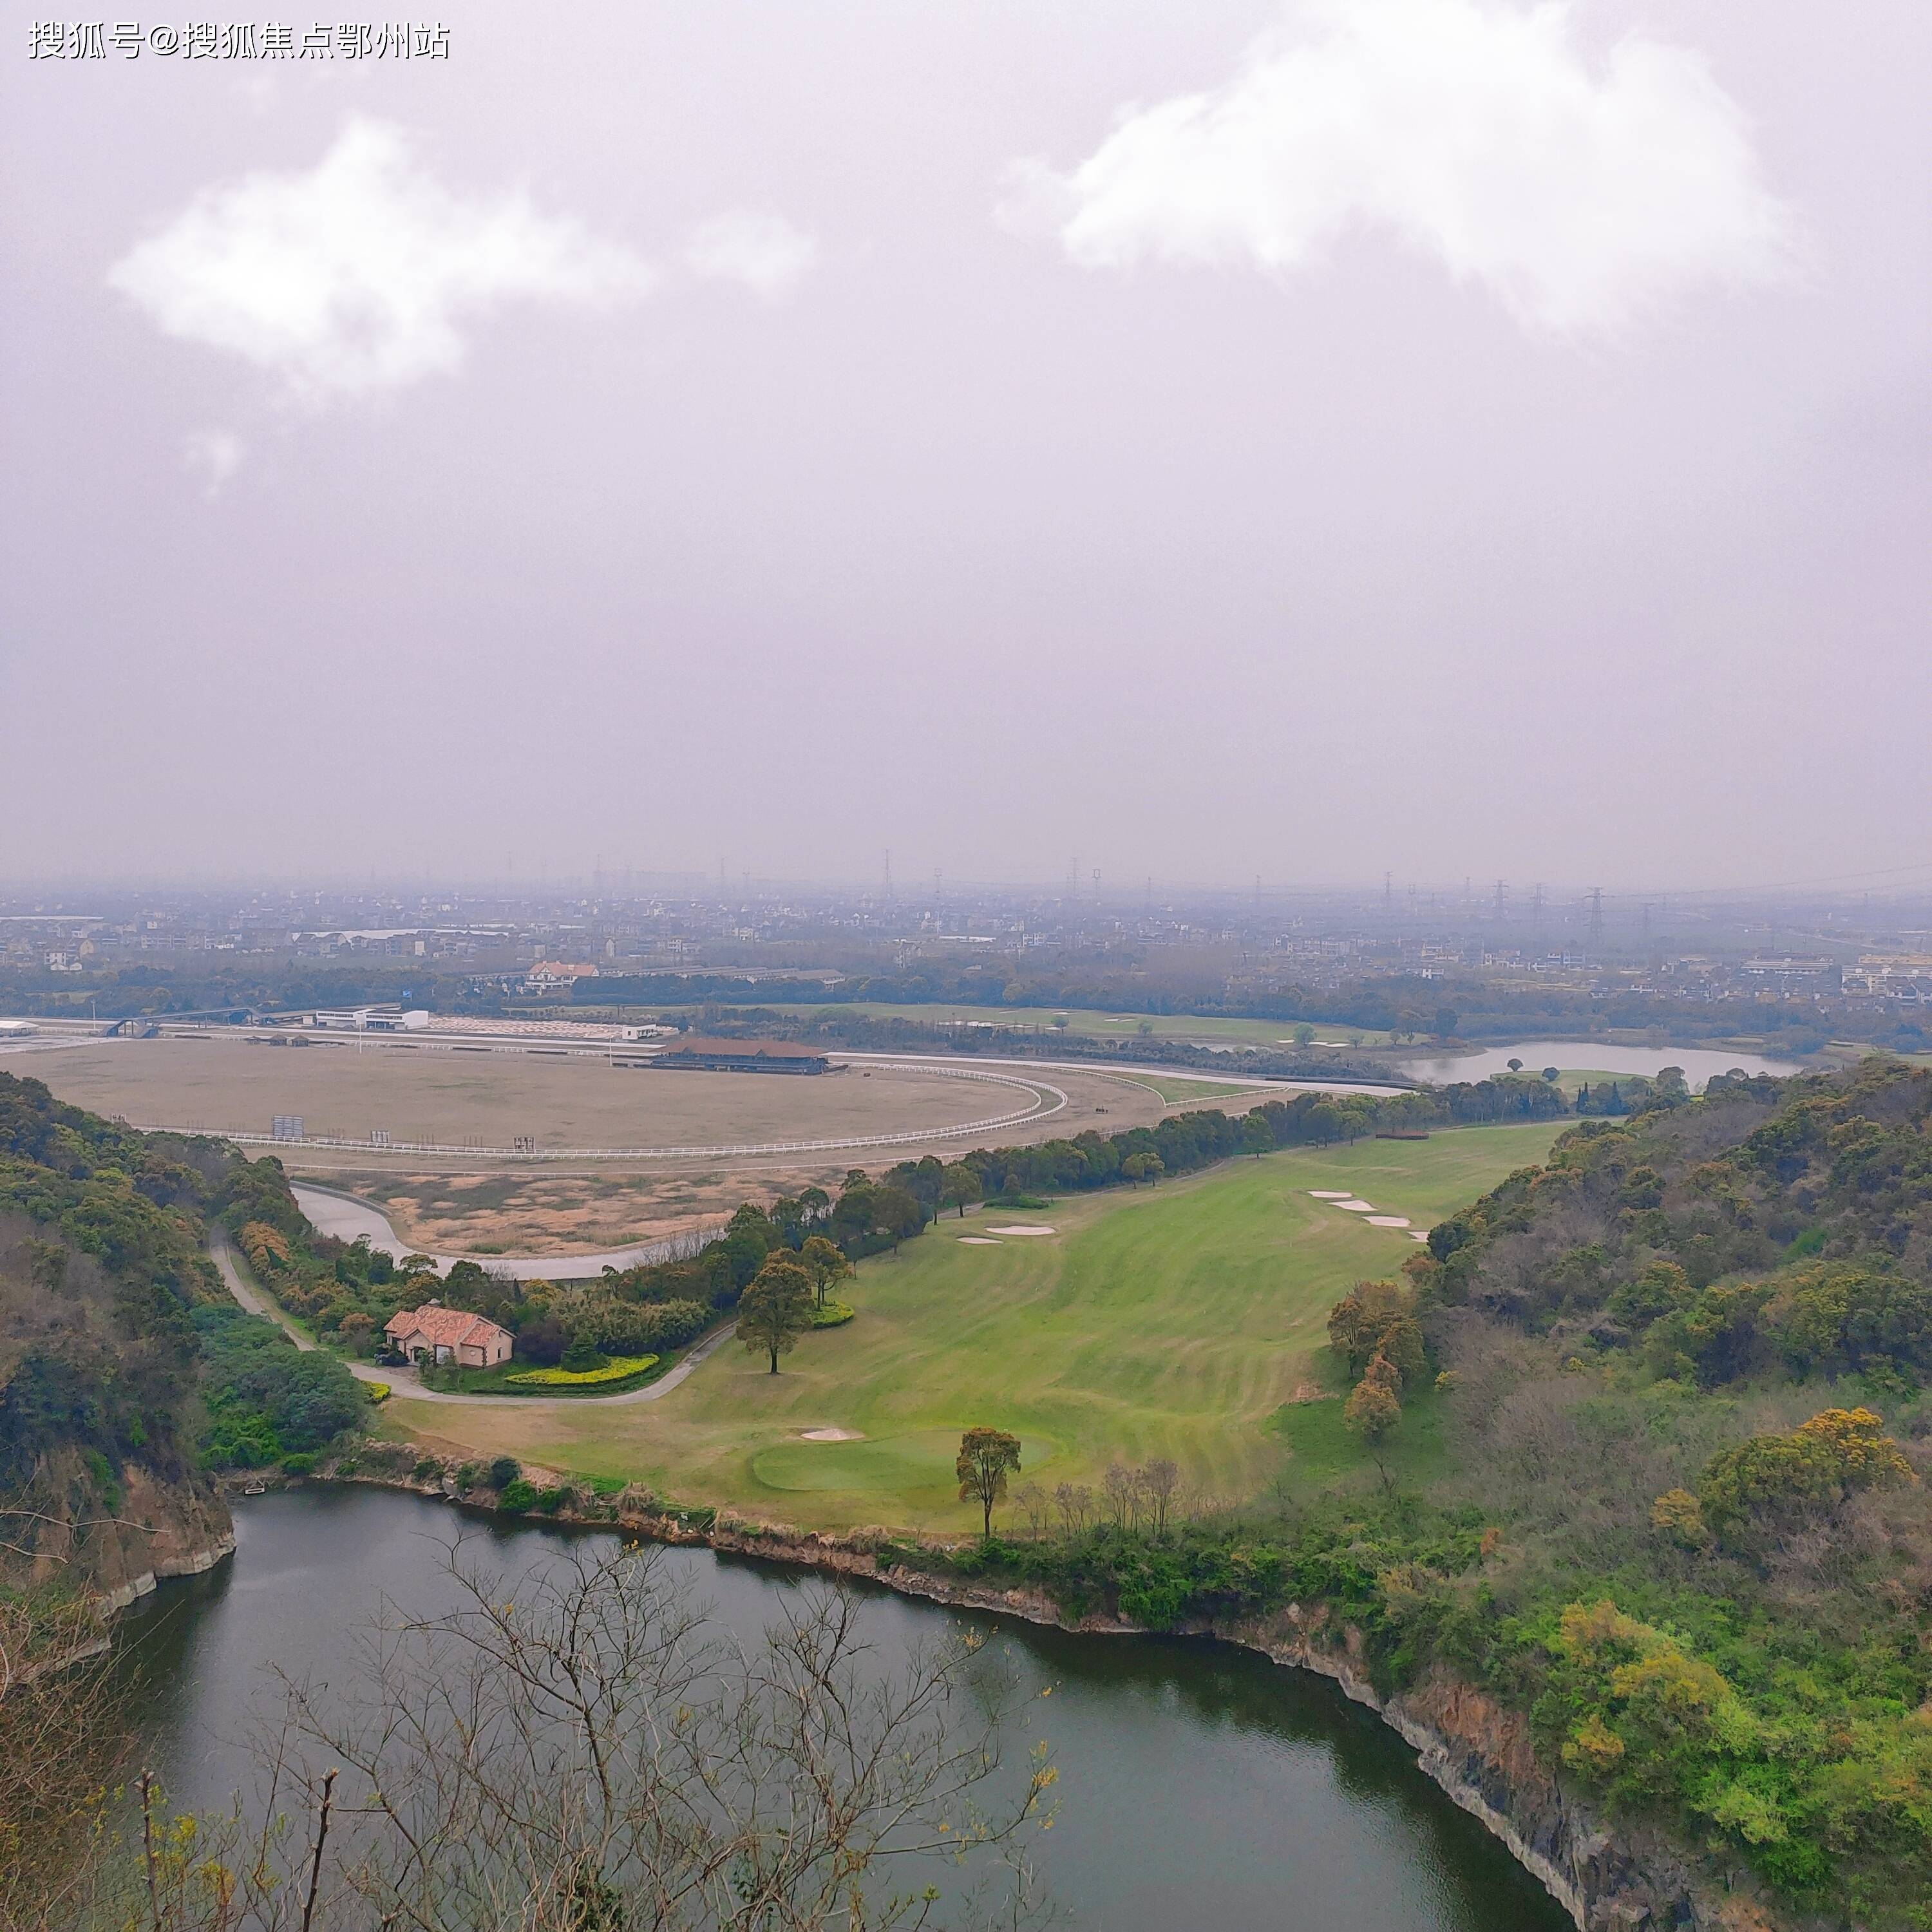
x=1215, y=441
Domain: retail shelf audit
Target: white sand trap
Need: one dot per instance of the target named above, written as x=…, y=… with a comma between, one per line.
x=1416, y=1234
x=978, y=1241
x=1330, y=1194
x=1023, y=1230
x=1388, y=1220
x=1356, y=1206
x=834, y=1435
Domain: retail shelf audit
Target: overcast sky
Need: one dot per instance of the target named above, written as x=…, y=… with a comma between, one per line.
x=1443, y=437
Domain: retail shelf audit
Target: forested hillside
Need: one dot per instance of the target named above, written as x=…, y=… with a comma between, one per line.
x=1644, y=1442
x=126, y=1373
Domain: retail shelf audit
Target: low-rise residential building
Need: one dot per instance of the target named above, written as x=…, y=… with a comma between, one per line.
x=440, y=1335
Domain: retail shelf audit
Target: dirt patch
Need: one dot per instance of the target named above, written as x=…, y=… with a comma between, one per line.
x=832, y=1435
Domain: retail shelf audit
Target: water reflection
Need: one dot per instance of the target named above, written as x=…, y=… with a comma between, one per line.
x=1200, y=1785
x=1698, y=1062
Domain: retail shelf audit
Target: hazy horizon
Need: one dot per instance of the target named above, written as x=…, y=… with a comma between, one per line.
x=1439, y=437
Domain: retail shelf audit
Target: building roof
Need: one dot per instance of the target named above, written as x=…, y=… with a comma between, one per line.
x=444, y=1327
x=745, y=1049
x=564, y=969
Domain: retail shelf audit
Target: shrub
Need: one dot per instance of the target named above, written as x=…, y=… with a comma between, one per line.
x=469, y=1476
x=517, y=1494
x=833, y=1315
x=298, y=1462
x=377, y=1391
x=564, y=1378
x=426, y=1468
x=505, y=1470
x=582, y=1356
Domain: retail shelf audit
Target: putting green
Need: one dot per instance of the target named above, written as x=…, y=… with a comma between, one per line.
x=921, y=1465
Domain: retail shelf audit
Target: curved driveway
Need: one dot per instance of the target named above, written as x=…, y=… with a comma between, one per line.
x=404, y=1384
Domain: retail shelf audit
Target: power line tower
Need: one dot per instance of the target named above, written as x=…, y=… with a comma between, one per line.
x=1596, y=919
x=1258, y=895
x=1073, y=880
x=886, y=885
x=1536, y=904
x=1502, y=893
x=1097, y=885
x=1388, y=894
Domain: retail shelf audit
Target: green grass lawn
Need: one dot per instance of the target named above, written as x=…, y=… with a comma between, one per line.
x=1181, y=1321
x=1176, y=1088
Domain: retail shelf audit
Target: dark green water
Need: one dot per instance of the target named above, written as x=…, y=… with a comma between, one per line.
x=1200, y=1785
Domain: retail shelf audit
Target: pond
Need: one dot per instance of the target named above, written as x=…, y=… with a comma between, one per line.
x=1200, y=1785
x=1698, y=1062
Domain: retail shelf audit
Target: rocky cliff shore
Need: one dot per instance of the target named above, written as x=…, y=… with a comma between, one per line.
x=1610, y=1878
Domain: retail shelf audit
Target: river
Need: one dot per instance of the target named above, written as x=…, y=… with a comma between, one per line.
x=1200, y=1785
x=1698, y=1062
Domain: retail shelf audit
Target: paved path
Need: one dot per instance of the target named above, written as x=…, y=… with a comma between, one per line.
x=406, y=1385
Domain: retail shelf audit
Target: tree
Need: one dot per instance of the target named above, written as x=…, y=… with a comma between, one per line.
x=799, y=1785
x=1515, y=1065
x=896, y=1211
x=821, y=1260
x=1160, y=1479
x=1304, y=1035
x=776, y=1309
x=1371, y=1411
x=985, y=1457
x=1257, y=1136
x=961, y=1187
x=1446, y=1017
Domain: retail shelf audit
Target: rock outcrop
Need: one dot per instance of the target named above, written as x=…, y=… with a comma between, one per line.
x=121, y=1550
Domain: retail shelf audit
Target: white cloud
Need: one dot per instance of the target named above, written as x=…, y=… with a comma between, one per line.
x=361, y=275
x=211, y=457
x=1582, y=193
x=763, y=252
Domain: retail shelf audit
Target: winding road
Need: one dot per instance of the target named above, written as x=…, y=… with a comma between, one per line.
x=406, y=1385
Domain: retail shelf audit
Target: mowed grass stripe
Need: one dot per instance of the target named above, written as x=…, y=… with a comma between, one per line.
x=1172, y=1321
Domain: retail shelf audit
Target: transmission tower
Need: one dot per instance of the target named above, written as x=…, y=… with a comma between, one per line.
x=1596, y=919
x=1502, y=892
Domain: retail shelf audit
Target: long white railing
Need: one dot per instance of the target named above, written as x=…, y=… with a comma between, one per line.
x=912, y=1138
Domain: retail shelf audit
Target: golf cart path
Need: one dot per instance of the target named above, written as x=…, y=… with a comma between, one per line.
x=403, y=1384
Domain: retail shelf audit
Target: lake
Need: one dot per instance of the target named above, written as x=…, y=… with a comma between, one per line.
x=1698, y=1062
x=1200, y=1785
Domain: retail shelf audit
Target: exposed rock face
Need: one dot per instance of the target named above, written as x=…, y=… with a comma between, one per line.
x=1481, y=1755
x=155, y=1530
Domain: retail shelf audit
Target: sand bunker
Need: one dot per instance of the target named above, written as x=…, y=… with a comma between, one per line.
x=834, y=1435
x=978, y=1241
x=1356, y=1206
x=1024, y=1230
x=1416, y=1234
x=1388, y=1220
x=1330, y=1194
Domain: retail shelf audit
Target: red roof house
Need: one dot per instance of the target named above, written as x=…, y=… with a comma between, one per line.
x=440, y=1335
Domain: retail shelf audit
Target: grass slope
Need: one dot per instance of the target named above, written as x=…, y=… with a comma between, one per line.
x=1177, y=1321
